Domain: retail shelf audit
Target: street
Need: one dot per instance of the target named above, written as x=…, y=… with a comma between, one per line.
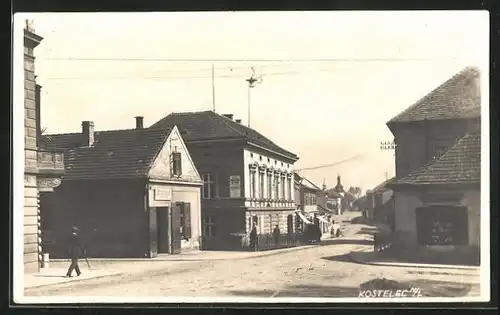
x=320, y=271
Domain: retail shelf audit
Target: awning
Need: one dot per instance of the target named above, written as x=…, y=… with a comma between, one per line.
x=323, y=220
x=303, y=218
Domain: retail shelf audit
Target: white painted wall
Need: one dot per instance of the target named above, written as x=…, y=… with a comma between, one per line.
x=472, y=199
x=161, y=166
x=191, y=195
x=405, y=217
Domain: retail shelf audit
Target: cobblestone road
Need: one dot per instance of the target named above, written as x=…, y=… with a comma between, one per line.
x=321, y=271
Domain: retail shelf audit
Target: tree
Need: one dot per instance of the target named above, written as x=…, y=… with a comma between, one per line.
x=355, y=191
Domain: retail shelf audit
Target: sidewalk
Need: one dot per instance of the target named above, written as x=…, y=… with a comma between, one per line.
x=51, y=276
x=196, y=255
x=369, y=257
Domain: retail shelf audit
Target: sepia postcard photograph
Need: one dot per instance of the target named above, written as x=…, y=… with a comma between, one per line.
x=264, y=157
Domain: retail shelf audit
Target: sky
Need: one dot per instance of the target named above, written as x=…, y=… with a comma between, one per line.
x=330, y=80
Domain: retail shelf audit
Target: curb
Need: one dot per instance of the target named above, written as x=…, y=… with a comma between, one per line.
x=262, y=254
x=71, y=281
x=407, y=265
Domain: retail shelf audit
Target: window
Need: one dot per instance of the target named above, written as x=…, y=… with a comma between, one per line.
x=283, y=195
x=261, y=185
x=252, y=183
x=269, y=186
x=176, y=164
x=209, y=227
x=208, y=190
x=289, y=184
x=276, y=186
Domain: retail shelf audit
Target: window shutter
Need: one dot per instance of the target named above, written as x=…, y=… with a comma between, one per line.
x=177, y=164
x=172, y=164
x=187, y=220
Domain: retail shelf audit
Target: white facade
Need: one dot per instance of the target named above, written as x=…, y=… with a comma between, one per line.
x=267, y=178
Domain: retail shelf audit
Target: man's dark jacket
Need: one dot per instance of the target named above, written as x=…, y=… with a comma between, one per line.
x=75, y=246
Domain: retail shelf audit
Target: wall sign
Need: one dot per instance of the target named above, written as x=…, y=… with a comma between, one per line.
x=234, y=186
x=162, y=194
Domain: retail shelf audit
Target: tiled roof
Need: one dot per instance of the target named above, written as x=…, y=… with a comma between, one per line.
x=305, y=182
x=457, y=98
x=114, y=154
x=383, y=186
x=208, y=125
x=461, y=164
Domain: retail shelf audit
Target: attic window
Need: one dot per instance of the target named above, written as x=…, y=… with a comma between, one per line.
x=175, y=164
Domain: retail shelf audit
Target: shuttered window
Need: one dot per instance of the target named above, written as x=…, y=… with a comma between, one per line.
x=176, y=163
x=186, y=224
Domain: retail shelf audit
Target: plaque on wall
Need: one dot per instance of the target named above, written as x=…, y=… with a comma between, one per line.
x=163, y=194
x=234, y=186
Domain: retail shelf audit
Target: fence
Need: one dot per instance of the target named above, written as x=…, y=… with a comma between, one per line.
x=270, y=241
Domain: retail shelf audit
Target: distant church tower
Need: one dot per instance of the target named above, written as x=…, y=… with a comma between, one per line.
x=324, y=184
x=339, y=188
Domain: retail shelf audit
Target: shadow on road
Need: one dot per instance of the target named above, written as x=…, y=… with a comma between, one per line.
x=345, y=241
x=302, y=291
x=341, y=258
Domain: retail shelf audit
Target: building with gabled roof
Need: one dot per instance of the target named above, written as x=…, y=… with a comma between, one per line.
x=132, y=193
x=311, y=204
x=437, y=184
x=247, y=178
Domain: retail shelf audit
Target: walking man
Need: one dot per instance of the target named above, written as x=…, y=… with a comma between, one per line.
x=253, y=237
x=75, y=251
x=276, y=233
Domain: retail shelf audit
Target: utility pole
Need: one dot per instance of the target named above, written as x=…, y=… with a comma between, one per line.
x=251, y=84
x=388, y=146
x=213, y=88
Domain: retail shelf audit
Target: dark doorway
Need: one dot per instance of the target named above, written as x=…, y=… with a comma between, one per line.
x=162, y=228
x=176, y=228
x=442, y=225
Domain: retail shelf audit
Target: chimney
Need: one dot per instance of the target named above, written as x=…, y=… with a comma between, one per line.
x=88, y=133
x=230, y=116
x=238, y=121
x=139, y=122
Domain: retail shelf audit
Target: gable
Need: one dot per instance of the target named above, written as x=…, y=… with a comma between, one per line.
x=161, y=166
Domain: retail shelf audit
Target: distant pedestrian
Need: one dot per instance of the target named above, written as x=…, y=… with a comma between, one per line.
x=76, y=250
x=276, y=234
x=253, y=237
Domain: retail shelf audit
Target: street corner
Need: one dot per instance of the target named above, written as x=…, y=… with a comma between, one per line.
x=54, y=276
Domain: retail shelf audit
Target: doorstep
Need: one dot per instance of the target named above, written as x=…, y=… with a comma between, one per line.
x=51, y=276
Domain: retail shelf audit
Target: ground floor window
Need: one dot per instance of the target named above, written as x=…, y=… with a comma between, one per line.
x=209, y=227
x=442, y=225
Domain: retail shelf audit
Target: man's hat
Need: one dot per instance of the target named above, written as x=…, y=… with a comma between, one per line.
x=75, y=229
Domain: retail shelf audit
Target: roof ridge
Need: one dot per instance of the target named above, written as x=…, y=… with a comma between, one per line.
x=429, y=94
x=103, y=131
x=223, y=119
